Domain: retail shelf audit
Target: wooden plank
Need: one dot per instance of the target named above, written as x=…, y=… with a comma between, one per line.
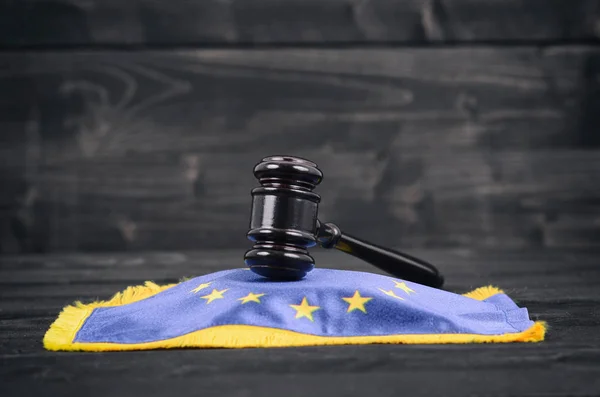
x=149, y=22
x=420, y=147
x=81, y=276
x=324, y=378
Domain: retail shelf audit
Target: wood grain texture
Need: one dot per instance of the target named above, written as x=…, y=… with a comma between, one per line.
x=420, y=147
x=556, y=286
x=182, y=22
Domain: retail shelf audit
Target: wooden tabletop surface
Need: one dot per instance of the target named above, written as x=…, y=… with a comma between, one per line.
x=560, y=287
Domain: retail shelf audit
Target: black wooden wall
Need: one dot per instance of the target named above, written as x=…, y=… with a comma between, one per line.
x=134, y=125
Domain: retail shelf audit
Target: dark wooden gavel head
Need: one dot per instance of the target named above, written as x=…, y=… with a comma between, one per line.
x=284, y=224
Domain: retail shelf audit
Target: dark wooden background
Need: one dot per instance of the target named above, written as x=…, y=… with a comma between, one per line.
x=134, y=125
x=467, y=131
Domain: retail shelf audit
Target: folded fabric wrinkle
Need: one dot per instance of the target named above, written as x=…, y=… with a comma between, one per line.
x=239, y=309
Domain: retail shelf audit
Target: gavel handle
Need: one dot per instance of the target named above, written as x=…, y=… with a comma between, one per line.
x=397, y=264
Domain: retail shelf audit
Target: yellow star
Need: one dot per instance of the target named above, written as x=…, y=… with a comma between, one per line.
x=215, y=294
x=404, y=287
x=304, y=309
x=390, y=293
x=251, y=298
x=357, y=302
x=198, y=288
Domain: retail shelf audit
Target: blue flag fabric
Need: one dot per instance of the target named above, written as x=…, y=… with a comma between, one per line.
x=236, y=308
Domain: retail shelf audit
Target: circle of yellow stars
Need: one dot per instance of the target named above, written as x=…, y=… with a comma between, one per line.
x=304, y=309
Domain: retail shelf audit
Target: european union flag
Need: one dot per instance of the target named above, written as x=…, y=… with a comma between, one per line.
x=236, y=308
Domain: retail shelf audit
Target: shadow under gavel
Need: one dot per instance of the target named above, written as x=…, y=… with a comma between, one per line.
x=284, y=224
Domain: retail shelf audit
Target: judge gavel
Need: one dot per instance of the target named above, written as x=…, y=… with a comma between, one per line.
x=284, y=224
